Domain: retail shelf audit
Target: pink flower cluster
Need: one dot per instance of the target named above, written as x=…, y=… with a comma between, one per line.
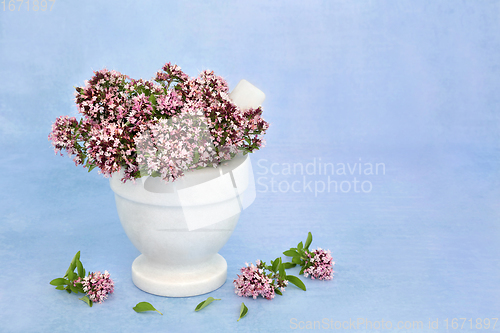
x=161, y=127
x=254, y=282
x=170, y=73
x=176, y=144
x=63, y=137
x=97, y=286
x=321, y=264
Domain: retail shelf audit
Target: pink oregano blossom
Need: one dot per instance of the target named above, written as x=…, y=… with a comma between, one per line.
x=319, y=264
x=97, y=286
x=253, y=282
x=161, y=127
x=63, y=137
x=173, y=145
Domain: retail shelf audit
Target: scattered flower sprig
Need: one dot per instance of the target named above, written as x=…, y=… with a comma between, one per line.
x=96, y=286
x=265, y=280
x=316, y=263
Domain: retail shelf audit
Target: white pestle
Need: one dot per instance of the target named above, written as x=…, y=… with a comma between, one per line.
x=245, y=95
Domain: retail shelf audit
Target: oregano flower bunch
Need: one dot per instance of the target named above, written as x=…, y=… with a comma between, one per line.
x=160, y=127
x=317, y=263
x=96, y=286
x=267, y=280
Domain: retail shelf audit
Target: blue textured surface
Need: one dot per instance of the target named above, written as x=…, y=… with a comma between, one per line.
x=410, y=84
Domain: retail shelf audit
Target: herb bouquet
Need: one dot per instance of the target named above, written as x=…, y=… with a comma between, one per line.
x=161, y=128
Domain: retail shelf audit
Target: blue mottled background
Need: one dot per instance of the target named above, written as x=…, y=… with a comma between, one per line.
x=410, y=84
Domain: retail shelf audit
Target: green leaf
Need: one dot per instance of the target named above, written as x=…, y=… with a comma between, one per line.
x=275, y=264
x=277, y=291
x=145, y=306
x=291, y=253
x=59, y=282
x=74, y=289
x=81, y=270
x=282, y=270
x=308, y=240
x=72, y=266
x=75, y=258
x=71, y=275
x=289, y=265
x=243, y=311
x=296, y=260
x=296, y=281
x=152, y=99
x=300, y=246
x=86, y=300
x=79, y=287
x=205, y=303
x=60, y=288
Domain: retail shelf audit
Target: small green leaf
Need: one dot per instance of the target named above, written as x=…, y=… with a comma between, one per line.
x=60, y=288
x=205, y=303
x=145, y=306
x=79, y=287
x=74, y=289
x=296, y=281
x=289, y=265
x=308, y=240
x=277, y=291
x=291, y=253
x=75, y=258
x=71, y=276
x=81, y=270
x=59, y=282
x=152, y=99
x=275, y=264
x=243, y=311
x=296, y=260
x=72, y=266
x=300, y=246
x=282, y=270
x=86, y=300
